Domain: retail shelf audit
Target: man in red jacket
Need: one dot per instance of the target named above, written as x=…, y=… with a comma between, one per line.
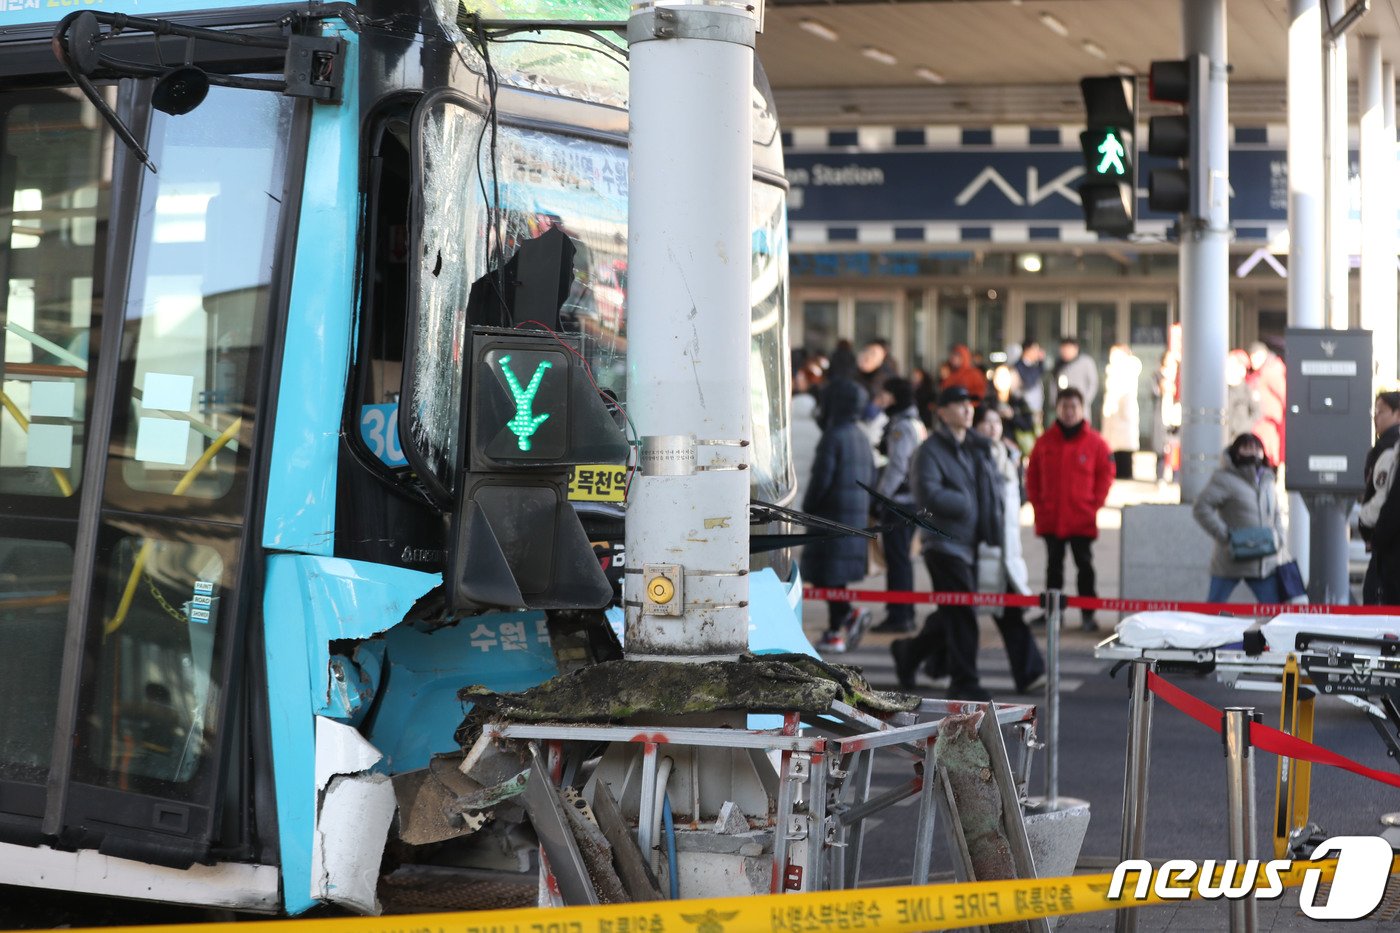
x=1070, y=473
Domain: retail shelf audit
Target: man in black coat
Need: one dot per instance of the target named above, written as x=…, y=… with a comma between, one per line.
x=1380, y=513
x=842, y=460
x=954, y=483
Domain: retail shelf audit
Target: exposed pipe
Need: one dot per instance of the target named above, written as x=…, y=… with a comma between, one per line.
x=672, y=872
x=663, y=774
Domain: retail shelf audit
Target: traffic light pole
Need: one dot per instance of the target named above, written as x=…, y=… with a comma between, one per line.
x=1205, y=257
x=688, y=322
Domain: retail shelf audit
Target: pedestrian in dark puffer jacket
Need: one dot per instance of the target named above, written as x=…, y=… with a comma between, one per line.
x=843, y=459
x=904, y=432
x=1241, y=494
x=955, y=483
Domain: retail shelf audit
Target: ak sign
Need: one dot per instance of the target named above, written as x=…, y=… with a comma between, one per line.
x=978, y=185
x=938, y=185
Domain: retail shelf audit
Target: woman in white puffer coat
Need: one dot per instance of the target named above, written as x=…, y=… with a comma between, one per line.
x=1121, y=421
x=1003, y=569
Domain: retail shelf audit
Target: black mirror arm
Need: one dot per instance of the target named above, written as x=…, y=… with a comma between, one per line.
x=60, y=51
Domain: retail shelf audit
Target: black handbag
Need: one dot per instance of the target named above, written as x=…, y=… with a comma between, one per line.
x=1290, y=581
x=1252, y=542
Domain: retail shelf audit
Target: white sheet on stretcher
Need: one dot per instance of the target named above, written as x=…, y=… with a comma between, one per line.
x=1181, y=630
x=1281, y=631
x=1193, y=630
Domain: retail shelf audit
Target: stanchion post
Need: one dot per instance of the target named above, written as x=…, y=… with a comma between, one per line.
x=1134, y=839
x=1054, y=614
x=1239, y=799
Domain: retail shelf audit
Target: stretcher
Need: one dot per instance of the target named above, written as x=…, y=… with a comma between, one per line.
x=1355, y=658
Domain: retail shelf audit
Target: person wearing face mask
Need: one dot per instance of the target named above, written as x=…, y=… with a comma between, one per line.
x=1239, y=510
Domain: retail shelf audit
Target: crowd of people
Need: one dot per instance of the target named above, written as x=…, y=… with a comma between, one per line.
x=968, y=446
x=965, y=448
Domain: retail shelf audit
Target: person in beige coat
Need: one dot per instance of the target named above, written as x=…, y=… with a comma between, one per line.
x=1241, y=494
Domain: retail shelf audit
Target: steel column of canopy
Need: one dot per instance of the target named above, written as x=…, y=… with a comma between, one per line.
x=1336, y=168
x=1378, y=244
x=1205, y=258
x=688, y=329
x=1305, y=208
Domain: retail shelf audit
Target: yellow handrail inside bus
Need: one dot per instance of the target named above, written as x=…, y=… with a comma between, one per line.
x=129, y=594
x=59, y=474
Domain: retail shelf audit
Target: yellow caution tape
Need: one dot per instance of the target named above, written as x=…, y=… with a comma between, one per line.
x=888, y=910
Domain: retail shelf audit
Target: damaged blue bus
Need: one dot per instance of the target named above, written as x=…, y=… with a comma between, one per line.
x=240, y=243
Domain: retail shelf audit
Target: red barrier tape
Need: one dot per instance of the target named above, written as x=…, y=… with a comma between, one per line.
x=1244, y=609
x=1264, y=737
x=905, y=597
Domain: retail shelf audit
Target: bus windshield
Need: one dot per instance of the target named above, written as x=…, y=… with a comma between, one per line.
x=544, y=179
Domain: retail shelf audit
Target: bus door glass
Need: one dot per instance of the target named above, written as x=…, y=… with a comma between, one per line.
x=166, y=587
x=153, y=542
x=55, y=186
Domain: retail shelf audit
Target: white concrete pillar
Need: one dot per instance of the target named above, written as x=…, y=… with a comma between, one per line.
x=1389, y=367
x=1378, y=219
x=1337, y=162
x=1305, y=208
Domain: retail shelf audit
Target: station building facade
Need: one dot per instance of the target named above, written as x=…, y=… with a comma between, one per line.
x=939, y=235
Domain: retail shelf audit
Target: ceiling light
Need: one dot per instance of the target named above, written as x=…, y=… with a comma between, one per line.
x=1054, y=25
x=819, y=29
x=1030, y=262
x=878, y=55
x=1128, y=71
x=1092, y=47
x=929, y=75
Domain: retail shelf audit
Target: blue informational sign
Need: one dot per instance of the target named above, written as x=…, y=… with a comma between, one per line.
x=19, y=12
x=379, y=428
x=981, y=185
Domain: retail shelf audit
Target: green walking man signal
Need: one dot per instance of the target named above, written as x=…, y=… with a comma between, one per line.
x=1108, y=192
x=524, y=423
x=1112, y=151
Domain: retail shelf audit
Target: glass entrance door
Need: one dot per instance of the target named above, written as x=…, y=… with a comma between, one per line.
x=820, y=325
x=1148, y=322
x=1044, y=323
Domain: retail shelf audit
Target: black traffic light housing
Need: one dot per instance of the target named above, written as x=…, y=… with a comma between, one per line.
x=530, y=412
x=1109, y=190
x=1180, y=190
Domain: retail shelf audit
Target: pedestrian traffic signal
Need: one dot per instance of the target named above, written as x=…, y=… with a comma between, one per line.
x=532, y=412
x=1179, y=190
x=1109, y=187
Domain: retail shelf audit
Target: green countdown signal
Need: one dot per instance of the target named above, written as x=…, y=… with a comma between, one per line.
x=524, y=423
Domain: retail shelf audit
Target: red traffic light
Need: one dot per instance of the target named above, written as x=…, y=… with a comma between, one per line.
x=1170, y=81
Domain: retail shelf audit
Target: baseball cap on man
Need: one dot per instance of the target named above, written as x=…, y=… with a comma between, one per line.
x=955, y=394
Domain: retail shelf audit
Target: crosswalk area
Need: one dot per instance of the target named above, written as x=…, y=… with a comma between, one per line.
x=872, y=656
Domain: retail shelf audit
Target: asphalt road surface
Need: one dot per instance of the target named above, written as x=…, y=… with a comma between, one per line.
x=1186, y=795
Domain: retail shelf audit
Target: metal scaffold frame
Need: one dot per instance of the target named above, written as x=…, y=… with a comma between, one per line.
x=821, y=789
